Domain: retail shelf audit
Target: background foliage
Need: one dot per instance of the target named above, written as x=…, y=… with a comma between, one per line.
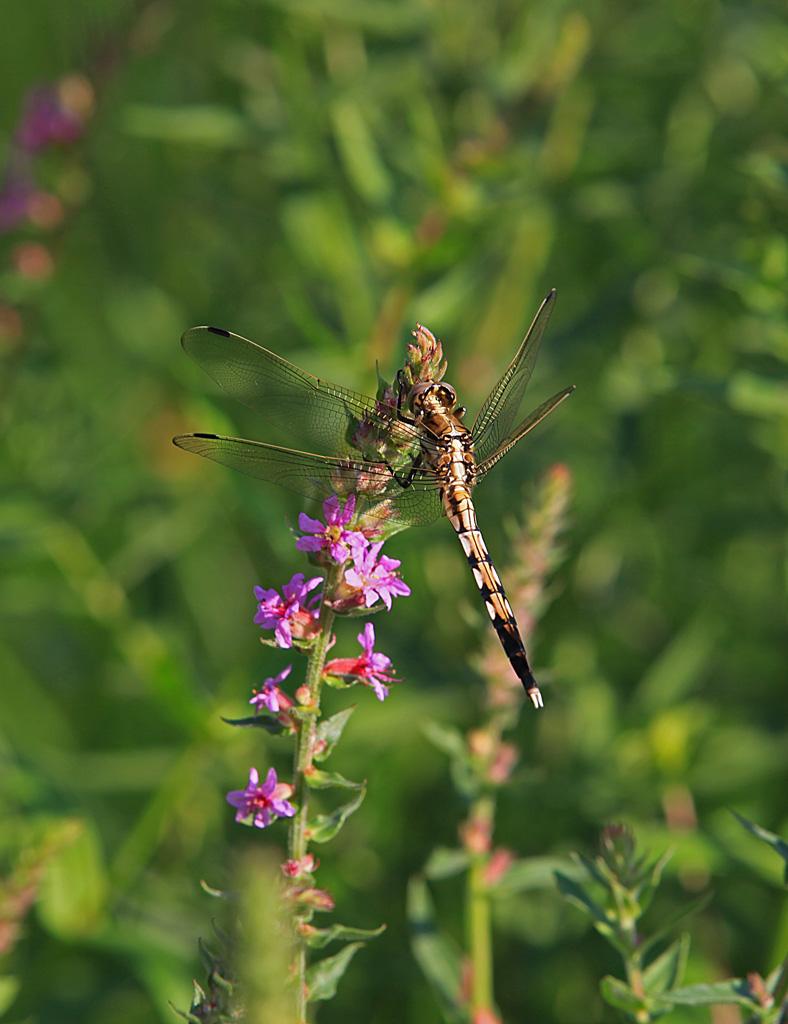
x=318, y=175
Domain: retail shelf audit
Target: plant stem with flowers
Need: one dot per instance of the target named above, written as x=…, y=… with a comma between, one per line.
x=359, y=579
x=358, y=576
x=303, y=761
x=482, y=763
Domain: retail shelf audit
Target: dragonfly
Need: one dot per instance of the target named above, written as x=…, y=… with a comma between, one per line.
x=408, y=461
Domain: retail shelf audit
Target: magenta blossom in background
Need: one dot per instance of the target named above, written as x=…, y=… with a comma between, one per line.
x=375, y=577
x=46, y=120
x=16, y=192
x=333, y=535
x=270, y=696
x=282, y=612
x=371, y=667
x=263, y=803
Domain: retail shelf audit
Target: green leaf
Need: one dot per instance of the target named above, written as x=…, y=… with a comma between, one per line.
x=446, y=739
x=317, y=938
x=267, y=722
x=676, y=670
x=576, y=894
x=451, y=741
x=668, y=968
x=325, y=826
x=339, y=682
x=777, y=844
x=182, y=1013
x=531, y=873
x=734, y=990
x=618, y=994
x=681, y=915
x=597, y=869
x=73, y=895
x=358, y=151
x=9, y=986
x=323, y=977
x=202, y=124
x=652, y=876
x=438, y=958
x=329, y=731
x=317, y=779
x=444, y=862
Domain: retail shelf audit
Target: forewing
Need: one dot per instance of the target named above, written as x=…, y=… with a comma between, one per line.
x=315, y=412
x=315, y=476
x=484, y=467
x=498, y=413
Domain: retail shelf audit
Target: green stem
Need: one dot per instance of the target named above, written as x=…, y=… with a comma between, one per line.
x=781, y=988
x=302, y=762
x=479, y=922
x=632, y=961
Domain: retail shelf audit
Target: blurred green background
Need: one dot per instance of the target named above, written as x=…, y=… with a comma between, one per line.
x=318, y=175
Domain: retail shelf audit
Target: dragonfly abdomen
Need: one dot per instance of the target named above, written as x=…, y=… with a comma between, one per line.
x=459, y=507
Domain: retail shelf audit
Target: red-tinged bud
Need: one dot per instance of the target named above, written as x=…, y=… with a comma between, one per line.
x=317, y=899
x=303, y=696
x=481, y=743
x=497, y=866
x=506, y=758
x=299, y=868
x=485, y=1016
x=759, y=990
x=475, y=835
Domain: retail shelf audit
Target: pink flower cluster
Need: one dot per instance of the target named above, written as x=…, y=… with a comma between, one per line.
x=53, y=114
x=368, y=577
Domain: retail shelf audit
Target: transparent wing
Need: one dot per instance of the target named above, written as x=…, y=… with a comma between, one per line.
x=498, y=413
x=483, y=467
x=316, y=476
x=315, y=412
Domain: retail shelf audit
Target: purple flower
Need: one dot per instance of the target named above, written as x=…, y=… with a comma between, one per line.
x=370, y=668
x=286, y=613
x=333, y=535
x=46, y=120
x=270, y=696
x=375, y=577
x=15, y=195
x=262, y=803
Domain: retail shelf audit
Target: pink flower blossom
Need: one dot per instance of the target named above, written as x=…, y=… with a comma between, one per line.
x=333, y=535
x=46, y=120
x=284, y=612
x=263, y=804
x=270, y=696
x=370, y=668
x=307, y=865
x=375, y=577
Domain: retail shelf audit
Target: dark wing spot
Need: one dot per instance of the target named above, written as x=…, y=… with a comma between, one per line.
x=222, y=334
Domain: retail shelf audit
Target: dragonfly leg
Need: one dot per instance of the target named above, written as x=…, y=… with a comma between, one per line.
x=403, y=390
x=405, y=480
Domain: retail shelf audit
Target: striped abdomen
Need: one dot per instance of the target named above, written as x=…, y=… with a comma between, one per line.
x=459, y=507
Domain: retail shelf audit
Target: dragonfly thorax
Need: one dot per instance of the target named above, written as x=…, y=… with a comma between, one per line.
x=432, y=396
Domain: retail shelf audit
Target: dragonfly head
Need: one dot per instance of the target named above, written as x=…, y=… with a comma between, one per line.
x=430, y=395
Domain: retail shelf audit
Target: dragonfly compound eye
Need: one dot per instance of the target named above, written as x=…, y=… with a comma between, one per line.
x=417, y=394
x=428, y=394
